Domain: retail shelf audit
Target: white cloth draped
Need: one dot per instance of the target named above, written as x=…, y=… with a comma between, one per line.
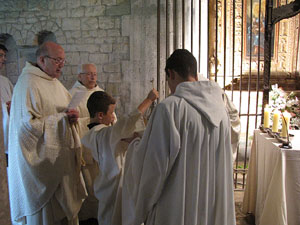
x=44, y=150
x=180, y=172
x=109, y=151
x=6, y=90
x=273, y=182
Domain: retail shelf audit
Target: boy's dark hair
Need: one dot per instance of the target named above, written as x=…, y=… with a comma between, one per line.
x=99, y=101
x=3, y=48
x=183, y=62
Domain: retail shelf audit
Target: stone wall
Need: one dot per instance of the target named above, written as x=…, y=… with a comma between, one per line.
x=113, y=34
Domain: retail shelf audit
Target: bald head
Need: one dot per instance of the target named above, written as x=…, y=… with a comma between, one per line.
x=51, y=58
x=46, y=48
x=87, y=75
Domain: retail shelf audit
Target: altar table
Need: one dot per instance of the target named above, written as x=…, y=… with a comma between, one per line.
x=272, y=191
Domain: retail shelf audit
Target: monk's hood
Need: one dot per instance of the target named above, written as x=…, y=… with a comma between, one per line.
x=206, y=97
x=30, y=68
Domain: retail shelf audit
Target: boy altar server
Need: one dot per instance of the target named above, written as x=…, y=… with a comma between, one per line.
x=86, y=85
x=108, y=150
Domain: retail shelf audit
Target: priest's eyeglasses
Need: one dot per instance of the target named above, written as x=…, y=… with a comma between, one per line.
x=57, y=61
x=90, y=74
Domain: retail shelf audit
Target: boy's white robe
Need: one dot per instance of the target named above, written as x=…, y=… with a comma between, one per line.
x=84, y=116
x=6, y=89
x=180, y=172
x=109, y=151
x=44, y=149
x=90, y=170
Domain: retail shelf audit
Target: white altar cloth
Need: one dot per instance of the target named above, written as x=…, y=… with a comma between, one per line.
x=273, y=182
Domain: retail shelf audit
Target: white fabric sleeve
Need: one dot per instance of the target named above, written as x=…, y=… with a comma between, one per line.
x=147, y=165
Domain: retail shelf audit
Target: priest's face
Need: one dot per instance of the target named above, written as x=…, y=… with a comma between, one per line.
x=109, y=117
x=53, y=62
x=88, y=76
x=2, y=58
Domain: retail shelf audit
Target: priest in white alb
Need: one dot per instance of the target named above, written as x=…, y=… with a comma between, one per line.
x=180, y=172
x=45, y=183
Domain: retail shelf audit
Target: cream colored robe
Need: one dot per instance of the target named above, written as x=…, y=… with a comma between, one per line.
x=6, y=90
x=44, y=149
x=83, y=110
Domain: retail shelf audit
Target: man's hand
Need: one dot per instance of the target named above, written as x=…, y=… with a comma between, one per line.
x=73, y=115
x=153, y=95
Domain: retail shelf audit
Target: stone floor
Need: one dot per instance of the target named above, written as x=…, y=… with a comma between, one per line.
x=241, y=218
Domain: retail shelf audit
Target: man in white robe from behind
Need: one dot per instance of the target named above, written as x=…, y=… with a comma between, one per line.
x=108, y=149
x=234, y=121
x=86, y=85
x=180, y=172
x=6, y=90
x=45, y=186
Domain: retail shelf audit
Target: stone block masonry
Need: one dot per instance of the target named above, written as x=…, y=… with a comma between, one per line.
x=89, y=30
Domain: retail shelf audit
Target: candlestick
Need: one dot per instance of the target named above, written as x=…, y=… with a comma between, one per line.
x=275, y=121
x=285, y=124
x=266, y=117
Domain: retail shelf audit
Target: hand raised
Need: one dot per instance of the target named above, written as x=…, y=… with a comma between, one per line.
x=153, y=95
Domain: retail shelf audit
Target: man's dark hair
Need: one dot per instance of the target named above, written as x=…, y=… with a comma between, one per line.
x=99, y=101
x=183, y=62
x=3, y=48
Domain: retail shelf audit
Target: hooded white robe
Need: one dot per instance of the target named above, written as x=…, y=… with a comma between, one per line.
x=44, y=161
x=180, y=172
x=109, y=151
x=6, y=89
x=234, y=122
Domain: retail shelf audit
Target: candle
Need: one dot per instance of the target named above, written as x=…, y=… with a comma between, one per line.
x=285, y=124
x=275, y=121
x=266, y=117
